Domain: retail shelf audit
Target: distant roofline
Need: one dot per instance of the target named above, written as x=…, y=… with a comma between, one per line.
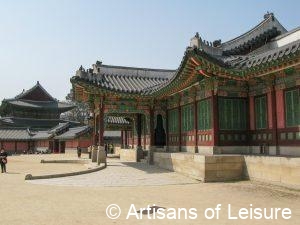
x=19, y=96
x=35, y=101
x=14, y=128
x=136, y=68
x=23, y=118
x=83, y=126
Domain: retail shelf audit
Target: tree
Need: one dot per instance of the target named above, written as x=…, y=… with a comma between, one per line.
x=80, y=113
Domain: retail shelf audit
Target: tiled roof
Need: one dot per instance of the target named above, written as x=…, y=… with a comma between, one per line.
x=73, y=132
x=244, y=62
x=38, y=98
x=15, y=134
x=116, y=120
x=42, y=135
x=267, y=29
x=231, y=55
x=31, y=122
x=58, y=128
x=125, y=79
x=41, y=104
x=134, y=71
x=236, y=59
x=38, y=87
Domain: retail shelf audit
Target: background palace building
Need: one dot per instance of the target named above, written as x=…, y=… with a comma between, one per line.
x=240, y=96
x=32, y=122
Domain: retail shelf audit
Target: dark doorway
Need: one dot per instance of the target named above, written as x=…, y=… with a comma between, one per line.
x=56, y=146
x=160, y=134
x=51, y=147
x=62, y=147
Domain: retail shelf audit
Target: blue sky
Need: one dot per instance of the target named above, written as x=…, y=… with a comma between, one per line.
x=49, y=40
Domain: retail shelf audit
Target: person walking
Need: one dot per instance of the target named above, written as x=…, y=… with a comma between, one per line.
x=78, y=151
x=3, y=160
x=106, y=149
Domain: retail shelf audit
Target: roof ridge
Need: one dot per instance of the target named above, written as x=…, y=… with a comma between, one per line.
x=136, y=68
x=286, y=34
x=138, y=76
x=27, y=100
x=268, y=18
x=31, y=89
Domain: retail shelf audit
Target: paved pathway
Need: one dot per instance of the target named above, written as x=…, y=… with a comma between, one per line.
x=119, y=174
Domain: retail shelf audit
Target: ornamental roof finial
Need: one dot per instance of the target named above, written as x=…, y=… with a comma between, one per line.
x=195, y=41
x=268, y=14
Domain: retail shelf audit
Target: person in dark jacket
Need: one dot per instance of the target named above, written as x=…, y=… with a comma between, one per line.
x=106, y=149
x=78, y=151
x=3, y=160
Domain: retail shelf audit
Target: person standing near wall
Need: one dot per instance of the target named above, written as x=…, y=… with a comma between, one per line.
x=78, y=151
x=3, y=158
x=106, y=149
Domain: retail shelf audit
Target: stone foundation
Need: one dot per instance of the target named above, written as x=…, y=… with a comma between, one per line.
x=130, y=155
x=289, y=150
x=206, y=150
x=191, y=149
x=279, y=170
x=231, y=149
x=273, y=169
x=269, y=150
x=117, y=150
x=202, y=167
x=173, y=148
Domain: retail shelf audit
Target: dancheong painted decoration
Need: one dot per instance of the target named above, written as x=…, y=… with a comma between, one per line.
x=240, y=96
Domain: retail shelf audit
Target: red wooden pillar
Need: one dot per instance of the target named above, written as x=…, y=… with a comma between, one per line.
x=251, y=113
x=94, y=125
x=274, y=118
x=280, y=109
x=132, y=134
x=16, y=143
x=101, y=123
x=145, y=131
x=139, y=129
x=272, y=125
x=215, y=114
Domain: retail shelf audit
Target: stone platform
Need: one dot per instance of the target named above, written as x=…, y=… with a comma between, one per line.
x=122, y=174
x=279, y=170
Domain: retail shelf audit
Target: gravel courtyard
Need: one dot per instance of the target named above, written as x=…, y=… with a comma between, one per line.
x=83, y=199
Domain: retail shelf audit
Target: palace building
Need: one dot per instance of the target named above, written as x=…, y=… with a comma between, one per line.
x=31, y=121
x=239, y=96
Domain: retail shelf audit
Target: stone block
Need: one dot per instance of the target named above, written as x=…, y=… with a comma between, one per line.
x=94, y=154
x=101, y=155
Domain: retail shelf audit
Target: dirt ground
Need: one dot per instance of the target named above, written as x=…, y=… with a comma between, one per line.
x=35, y=204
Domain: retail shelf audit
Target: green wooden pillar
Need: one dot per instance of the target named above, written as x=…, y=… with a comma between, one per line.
x=215, y=119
